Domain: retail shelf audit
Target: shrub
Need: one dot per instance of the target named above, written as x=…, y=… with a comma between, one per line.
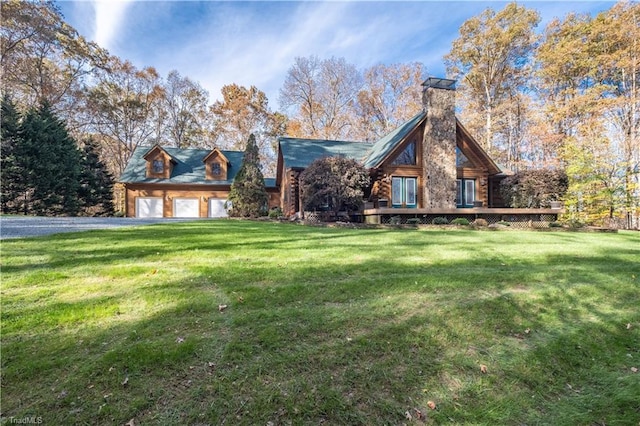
x=275, y=213
x=333, y=183
x=395, y=220
x=439, y=221
x=413, y=221
x=503, y=223
x=555, y=225
x=534, y=188
x=460, y=221
x=481, y=222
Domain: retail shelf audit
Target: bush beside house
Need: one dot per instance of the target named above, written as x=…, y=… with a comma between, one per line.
x=334, y=184
x=534, y=188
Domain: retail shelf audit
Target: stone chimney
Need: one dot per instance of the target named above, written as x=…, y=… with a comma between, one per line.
x=439, y=143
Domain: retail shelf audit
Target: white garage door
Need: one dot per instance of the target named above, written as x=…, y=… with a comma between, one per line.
x=186, y=207
x=148, y=207
x=216, y=207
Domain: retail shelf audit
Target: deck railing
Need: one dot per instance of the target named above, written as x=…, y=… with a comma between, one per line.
x=517, y=218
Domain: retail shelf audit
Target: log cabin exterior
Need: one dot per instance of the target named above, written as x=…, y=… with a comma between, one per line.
x=171, y=182
x=430, y=165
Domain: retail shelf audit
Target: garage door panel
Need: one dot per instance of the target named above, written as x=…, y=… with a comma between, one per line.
x=149, y=207
x=217, y=207
x=186, y=207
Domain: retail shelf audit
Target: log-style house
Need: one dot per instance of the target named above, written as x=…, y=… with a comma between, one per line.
x=171, y=182
x=430, y=165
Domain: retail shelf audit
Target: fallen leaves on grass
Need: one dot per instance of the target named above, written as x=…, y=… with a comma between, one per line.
x=180, y=340
x=125, y=382
x=408, y=416
x=417, y=413
x=221, y=308
x=483, y=368
x=634, y=370
x=431, y=405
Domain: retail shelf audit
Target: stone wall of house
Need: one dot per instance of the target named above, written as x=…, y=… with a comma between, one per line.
x=439, y=144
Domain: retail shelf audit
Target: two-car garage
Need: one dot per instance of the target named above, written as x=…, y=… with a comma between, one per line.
x=147, y=207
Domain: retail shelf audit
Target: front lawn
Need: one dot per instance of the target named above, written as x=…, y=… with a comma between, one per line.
x=256, y=323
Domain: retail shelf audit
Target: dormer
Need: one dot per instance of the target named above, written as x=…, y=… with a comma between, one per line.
x=216, y=165
x=159, y=163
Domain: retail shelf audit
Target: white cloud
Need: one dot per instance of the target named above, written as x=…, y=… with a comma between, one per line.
x=255, y=43
x=109, y=16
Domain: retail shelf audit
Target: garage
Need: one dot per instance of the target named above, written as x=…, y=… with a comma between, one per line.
x=149, y=207
x=216, y=207
x=186, y=207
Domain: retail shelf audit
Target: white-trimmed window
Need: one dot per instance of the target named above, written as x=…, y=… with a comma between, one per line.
x=404, y=192
x=465, y=192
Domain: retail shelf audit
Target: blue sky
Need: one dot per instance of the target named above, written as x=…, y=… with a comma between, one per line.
x=255, y=43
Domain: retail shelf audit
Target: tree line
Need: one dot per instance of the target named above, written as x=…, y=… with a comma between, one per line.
x=563, y=97
x=44, y=170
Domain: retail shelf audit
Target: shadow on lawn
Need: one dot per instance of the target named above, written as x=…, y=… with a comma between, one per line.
x=337, y=342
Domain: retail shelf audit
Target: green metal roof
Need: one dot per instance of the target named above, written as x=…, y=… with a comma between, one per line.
x=188, y=168
x=383, y=147
x=299, y=153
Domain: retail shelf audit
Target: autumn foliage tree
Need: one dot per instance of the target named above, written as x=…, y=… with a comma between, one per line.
x=245, y=111
x=390, y=95
x=44, y=59
x=492, y=60
x=593, y=104
x=320, y=95
x=334, y=184
x=125, y=109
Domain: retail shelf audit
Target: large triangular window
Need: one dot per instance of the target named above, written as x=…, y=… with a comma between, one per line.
x=461, y=159
x=407, y=157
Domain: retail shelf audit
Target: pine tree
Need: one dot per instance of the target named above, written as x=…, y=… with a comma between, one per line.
x=50, y=161
x=96, y=183
x=248, y=196
x=11, y=183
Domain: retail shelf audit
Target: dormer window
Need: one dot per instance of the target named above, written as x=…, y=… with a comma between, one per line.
x=216, y=165
x=216, y=169
x=406, y=157
x=158, y=166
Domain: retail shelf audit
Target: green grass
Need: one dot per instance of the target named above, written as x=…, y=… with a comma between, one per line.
x=323, y=326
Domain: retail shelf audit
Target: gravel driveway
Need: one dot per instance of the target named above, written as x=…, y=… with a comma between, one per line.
x=29, y=226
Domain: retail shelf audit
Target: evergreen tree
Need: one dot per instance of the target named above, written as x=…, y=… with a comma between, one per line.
x=96, y=183
x=248, y=196
x=11, y=184
x=50, y=160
